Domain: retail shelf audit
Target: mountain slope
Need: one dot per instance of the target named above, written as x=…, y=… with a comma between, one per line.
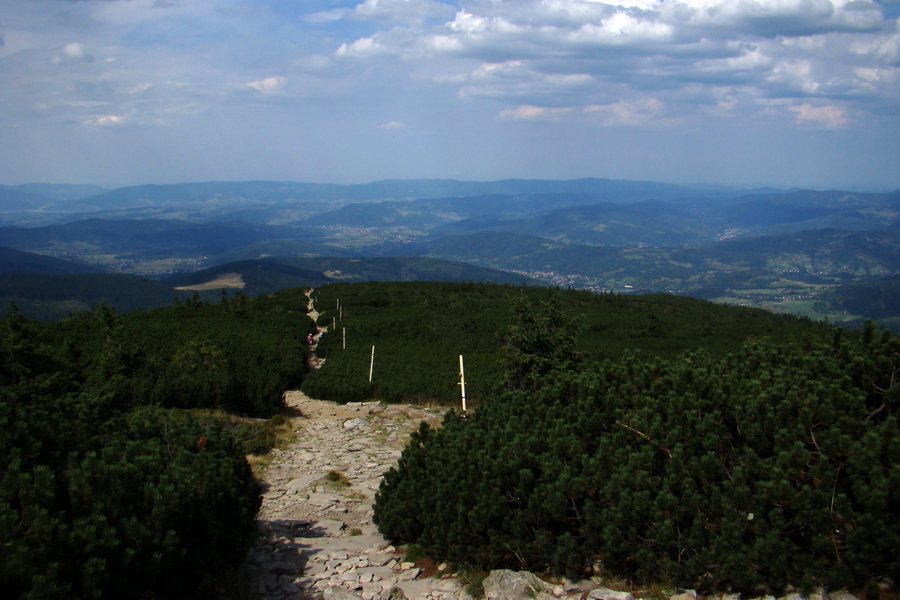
x=220, y=193
x=153, y=236
x=808, y=209
x=271, y=274
x=16, y=261
x=51, y=296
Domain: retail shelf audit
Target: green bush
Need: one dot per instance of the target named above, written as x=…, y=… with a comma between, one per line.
x=151, y=505
x=773, y=466
x=102, y=496
x=238, y=356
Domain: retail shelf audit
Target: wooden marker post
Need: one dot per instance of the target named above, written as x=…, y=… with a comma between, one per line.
x=343, y=338
x=372, y=364
x=462, y=382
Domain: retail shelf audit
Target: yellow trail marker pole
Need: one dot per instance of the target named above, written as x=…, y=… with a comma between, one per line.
x=462, y=381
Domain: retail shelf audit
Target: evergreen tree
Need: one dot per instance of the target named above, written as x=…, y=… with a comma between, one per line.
x=541, y=340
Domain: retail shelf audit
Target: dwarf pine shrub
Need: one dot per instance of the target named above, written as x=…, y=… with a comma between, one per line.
x=774, y=466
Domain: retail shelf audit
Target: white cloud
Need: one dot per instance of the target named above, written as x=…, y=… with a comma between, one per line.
x=771, y=18
x=627, y=113
x=796, y=75
x=139, y=88
x=622, y=28
x=401, y=11
x=533, y=113
x=269, y=85
x=794, y=48
x=366, y=47
x=107, y=120
x=73, y=52
x=517, y=79
x=630, y=113
x=826, y=116
x=466, y=22
x=327, y=16
x=492, y=65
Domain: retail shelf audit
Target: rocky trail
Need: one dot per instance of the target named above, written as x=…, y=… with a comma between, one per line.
x=316, y=532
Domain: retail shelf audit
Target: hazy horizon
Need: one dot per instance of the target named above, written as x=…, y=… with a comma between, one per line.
x=723, y=186
x=757, y=93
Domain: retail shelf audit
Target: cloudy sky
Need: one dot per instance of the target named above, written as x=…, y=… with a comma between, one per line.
x=748, y=92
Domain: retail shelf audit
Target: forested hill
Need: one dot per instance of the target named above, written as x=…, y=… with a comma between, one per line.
x=420, y=329
x=60, y=288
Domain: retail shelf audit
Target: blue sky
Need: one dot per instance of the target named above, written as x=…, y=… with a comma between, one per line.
x=747, y=92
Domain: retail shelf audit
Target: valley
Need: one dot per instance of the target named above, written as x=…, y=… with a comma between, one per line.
x=792, y=251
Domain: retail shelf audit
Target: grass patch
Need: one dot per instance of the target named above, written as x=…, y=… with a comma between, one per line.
x=337, y=480
x=255, y=436
x=474, y=581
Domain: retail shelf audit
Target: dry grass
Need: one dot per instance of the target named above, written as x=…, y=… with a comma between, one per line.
x=281, y=430
x=226, y=280
x=337, y=480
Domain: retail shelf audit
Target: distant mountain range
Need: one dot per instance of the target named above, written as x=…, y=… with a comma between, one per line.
x=782, y=249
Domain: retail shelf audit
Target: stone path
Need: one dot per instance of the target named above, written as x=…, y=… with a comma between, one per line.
x=316, y=532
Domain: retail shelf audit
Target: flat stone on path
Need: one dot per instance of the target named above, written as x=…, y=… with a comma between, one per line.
x=296, y=486
x=356, y=424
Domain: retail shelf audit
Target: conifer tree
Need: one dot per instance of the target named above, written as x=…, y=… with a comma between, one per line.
x=541, y=340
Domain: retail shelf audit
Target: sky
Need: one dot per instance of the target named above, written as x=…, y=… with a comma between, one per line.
x=785, y=93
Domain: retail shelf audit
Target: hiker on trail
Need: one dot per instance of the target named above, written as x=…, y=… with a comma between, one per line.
x=309, y=339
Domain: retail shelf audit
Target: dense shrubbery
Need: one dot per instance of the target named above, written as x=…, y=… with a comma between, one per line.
x=239, y=355
x=108, y=488
x=148, y=505
x=774, y=465
x=420, y=329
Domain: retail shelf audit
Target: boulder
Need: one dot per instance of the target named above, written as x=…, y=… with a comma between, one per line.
x=842, y=595
x=606, y=594
x=295, y=486
x=514, y=585
x=685, y=595
x=336, y=593
x=358, y=423
x=396, y=593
